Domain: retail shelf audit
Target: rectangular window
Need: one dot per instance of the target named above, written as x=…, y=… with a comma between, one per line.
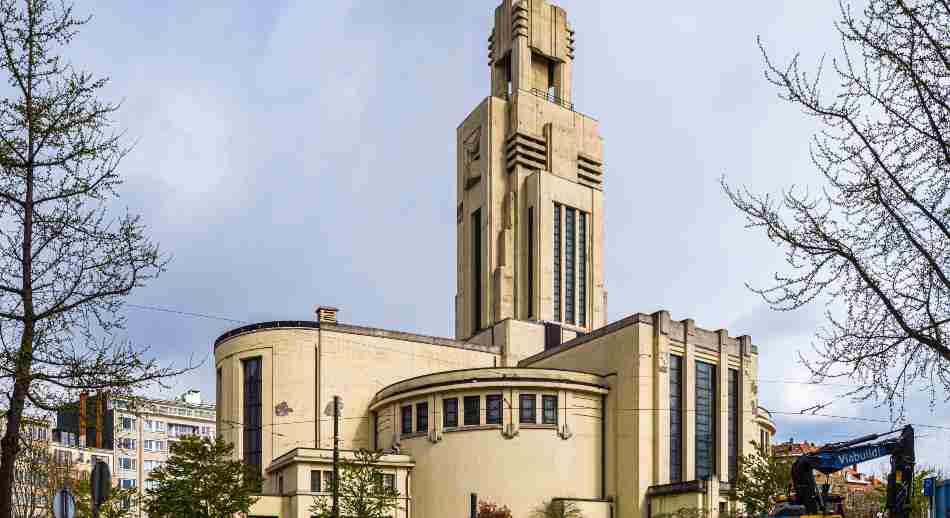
x=582, y=268
x=328, y=481
x=218, y=394
x=569, y=221
x=493, y=409
x=556, y=293
x=314, y=481
x=389, y=481
x=126, y=463
x=676, y=418
x=472, y=410
x=549, y=409
x=407, y=419
x=450, y=412
x=422, y=417
x=127, y=483
x=253, y=426
x=530, y=292
x=127, y=423
x=733, y=424
x=527, y=409
x=705, y=420
x=476, y=271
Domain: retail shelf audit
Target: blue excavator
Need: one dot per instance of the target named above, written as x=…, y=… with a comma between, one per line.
x=811, y=500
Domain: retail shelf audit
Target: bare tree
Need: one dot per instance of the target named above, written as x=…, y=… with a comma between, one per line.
x=66, y=260
x=876, y=239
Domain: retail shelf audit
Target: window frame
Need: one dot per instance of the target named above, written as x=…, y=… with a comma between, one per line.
x=405, y=419
x=497, y=399
x=422, y=417
x=523, y=410
x=477, y=400
x=454, y=403
x=545, y=398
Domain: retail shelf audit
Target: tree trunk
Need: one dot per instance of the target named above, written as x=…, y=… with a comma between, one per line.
x=10, y=444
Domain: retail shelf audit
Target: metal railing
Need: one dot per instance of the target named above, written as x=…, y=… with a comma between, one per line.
x=551, y=98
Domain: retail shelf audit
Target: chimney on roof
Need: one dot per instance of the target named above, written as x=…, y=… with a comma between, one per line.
x=327, y=314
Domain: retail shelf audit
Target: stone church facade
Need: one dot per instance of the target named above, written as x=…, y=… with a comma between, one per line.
x=537, y=397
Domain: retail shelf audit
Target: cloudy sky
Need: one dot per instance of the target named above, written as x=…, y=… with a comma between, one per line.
x=297, y=153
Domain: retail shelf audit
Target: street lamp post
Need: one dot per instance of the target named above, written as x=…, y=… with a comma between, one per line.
x=334, y=410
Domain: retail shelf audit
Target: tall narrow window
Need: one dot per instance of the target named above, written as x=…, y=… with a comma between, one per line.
x=676, y=418
x=549, y=409
x=530, y=254
x=406, y=420
x=556, y=294
x=476, y=271
x=582, y=268
x=527, y=409
x=472, y=410
x=218, y=395
x=569, y=264
x=253, y=385
x=422, y=417
x=733, y=424
x=493, y=409
x=450, y=412
x=705, y=420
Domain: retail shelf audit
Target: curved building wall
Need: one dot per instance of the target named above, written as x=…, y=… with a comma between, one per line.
x=305, y=363
x=511, y=463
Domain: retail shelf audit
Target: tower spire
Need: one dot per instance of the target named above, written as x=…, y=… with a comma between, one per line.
x=530, y=184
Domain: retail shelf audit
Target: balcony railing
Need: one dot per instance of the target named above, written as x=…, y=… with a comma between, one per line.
x=552, y=98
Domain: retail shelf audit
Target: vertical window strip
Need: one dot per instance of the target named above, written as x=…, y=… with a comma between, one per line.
x=476, y=271
x=493, y=412
x=582, y=268
x=705, y=420
x=556, y=295
x=733, y=424
x=676, y=418
x=569, y=264
x=450, y=413
x=253, y=386
x=530, y=254
x=406, y=419
x=422, y=417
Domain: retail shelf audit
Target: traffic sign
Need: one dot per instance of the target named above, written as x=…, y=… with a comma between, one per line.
x=64, y=504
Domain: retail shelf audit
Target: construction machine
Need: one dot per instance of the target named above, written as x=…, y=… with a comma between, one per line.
x=810, y=500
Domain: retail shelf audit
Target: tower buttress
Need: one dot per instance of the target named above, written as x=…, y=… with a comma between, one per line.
x=530, y=184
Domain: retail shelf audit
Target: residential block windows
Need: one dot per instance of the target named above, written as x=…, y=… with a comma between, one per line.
x=153, y=445
x=527, y=409
x=422, y=417
x=450, y=412
x=127, y=424
x=406, y=419
x=733, y=431
x=556, y=294
x=127, y=443
x=549, y=409
x=253, y=426
x=493, y=409
x=472, y=410
x=315, y=481
x=476, y=271
x=570, y=256
x=676, y=418
x=705, y=420
x=126, y=463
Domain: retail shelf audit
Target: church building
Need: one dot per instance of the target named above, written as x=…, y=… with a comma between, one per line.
x=537, y=397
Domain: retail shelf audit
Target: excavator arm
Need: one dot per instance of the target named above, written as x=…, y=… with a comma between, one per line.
x=836, y=456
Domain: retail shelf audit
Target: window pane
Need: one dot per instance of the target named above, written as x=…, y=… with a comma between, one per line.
x=422, y=417
x=705, y=420
x=493, y=409
x=472, y=410
x=582, y=268
x=530, y=247
x=733, y=424
x=314, y=481
x=450, y=412
x=549, y=408
x=556, y=294
x=407, y=419
x=569, y=265
x=476, y=271
x=253, y=383
x=676, y=418
x=527, y=411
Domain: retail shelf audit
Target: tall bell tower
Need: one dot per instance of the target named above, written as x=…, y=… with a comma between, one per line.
x=530, y=185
